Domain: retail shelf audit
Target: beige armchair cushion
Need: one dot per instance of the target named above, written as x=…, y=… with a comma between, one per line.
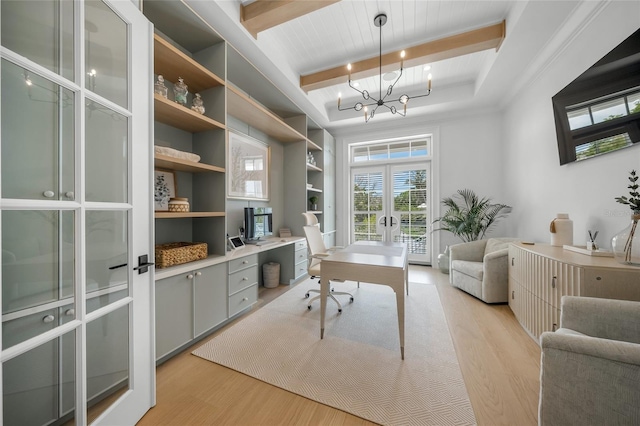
x=480, y=268
x=590, y=367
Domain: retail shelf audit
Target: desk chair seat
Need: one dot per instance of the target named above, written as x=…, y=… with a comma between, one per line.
x=318, y=250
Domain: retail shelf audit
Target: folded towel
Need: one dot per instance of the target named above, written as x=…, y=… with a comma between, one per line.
x=170, y=152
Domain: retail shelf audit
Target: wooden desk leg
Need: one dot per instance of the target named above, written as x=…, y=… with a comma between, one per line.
x=400, y=303
x=324, y=292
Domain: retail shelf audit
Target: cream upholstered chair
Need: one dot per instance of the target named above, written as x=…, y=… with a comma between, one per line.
x=590, y=366
x=317, y=250
x=481, y=268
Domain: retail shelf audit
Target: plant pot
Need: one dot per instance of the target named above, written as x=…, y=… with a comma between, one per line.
x=626, y=243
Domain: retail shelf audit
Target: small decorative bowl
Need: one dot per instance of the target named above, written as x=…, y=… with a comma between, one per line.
x=179, y=205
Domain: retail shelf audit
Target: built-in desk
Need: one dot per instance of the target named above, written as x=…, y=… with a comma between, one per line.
x=196, y=298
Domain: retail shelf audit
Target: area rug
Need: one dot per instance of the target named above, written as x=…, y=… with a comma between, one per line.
x=357, y=366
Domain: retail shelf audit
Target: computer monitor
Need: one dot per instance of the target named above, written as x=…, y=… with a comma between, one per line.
x=258, y=222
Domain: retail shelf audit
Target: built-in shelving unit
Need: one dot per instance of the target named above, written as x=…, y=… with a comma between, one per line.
x=171, y=163
x=172, y=215
x=313, y=168
x=176, y=115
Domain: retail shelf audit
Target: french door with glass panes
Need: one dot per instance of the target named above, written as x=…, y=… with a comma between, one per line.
x=390, y=203
x=77, y=329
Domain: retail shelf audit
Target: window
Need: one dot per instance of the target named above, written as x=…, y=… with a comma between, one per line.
x=396, y=150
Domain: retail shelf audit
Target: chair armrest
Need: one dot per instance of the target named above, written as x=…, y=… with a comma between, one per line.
x=472, y=251
x=488, y=258
x=588, y=381
x=605, y=318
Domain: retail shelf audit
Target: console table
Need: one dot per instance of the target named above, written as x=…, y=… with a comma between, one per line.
x=540, y=274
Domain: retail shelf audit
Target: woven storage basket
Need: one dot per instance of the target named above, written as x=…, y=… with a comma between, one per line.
x=176, y=253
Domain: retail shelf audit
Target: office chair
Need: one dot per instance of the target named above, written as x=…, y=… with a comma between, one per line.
x=317, y=250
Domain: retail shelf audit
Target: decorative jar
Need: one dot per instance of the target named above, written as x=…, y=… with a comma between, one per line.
x=179, y=205
x=626, y=243
x=561, y=229
x=180, y=91
x=159, y=87
x=198, y=105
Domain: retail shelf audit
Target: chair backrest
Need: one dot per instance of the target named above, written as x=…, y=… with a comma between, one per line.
x=315, y=242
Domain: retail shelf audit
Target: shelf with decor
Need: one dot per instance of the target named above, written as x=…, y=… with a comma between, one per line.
x=177, y=215
x=311, y=167
x=176, y=115
x=171, y=163
x=314, y=190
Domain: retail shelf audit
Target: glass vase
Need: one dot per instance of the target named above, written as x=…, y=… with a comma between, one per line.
x=180, y=91
x=626, y=243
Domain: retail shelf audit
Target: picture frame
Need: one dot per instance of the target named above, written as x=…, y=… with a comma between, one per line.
x=248, y=168
x=164, y=183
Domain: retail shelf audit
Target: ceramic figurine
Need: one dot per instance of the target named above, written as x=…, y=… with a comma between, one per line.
x=180, y=92
x=198, y=105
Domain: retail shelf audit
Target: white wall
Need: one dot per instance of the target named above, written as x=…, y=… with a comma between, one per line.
x=536, y=185
x=467, y=154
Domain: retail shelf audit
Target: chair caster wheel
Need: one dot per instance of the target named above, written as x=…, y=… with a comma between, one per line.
x=339, y=311
x=306, y=296
x=309, y=307
x=351, y=299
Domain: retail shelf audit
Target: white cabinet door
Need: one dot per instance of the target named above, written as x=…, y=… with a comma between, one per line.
x=76, y=212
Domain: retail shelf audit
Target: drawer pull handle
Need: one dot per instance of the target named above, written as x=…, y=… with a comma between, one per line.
x=513, y=294
x=244, y=262
x=246, y=299
x=512, y=259
x=198, y=274
x=70, y=312
x=49, y=194
x=553, y=282
x=554, y=327
x=245, y=279
x=48, y=319
x=69, y=194
x=190, y=276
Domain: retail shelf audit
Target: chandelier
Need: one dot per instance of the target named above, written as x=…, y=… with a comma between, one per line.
x=382, y=101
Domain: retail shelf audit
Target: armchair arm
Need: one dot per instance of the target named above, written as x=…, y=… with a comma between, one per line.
x=588, y=381
x=472, y=251
x=605, y=318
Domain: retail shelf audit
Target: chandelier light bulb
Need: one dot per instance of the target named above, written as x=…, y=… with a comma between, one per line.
x=429, y=78
x=28, y=81
x=402, y=59
x=349, y=68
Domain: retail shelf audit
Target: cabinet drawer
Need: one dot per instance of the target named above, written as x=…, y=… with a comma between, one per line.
x=242, y=263
x=300, y=269
x=300, y=255
x=242, y=300
x=301, y=244
x=243, y=279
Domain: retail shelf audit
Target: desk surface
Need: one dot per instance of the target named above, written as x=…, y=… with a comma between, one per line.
x=371, y=253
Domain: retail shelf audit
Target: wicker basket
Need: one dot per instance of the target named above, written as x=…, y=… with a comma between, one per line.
x=176, y=253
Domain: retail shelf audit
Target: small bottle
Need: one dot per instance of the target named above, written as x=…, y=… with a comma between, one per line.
x=198, y=105
x=180, y=92
x=159, y=87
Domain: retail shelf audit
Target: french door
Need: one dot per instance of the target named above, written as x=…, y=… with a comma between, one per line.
x=391, y=203
x=77, y=329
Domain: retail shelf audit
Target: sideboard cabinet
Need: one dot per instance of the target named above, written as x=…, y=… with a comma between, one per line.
x=540, y=274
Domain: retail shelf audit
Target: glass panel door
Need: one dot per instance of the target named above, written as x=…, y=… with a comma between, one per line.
x=75, y=212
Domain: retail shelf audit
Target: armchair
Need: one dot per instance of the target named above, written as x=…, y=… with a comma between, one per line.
x=590, y=367
x=481, y=268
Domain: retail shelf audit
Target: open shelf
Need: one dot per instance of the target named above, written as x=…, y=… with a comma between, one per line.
x=242, y=107
x=312, y=146
x=176, y=115
x=171, y=163
x=172, y=215
x=314, y=190
x=314, y=168
x=173, y=63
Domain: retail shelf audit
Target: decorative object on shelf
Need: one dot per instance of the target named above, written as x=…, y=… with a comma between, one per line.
x=159, y=87
x=170, y=254
x=382, y=101
x=561, y=229
x=310, y=159
x=313, y=203
x=180, y=92
x=588, y=252
x=471, y=219
x=248, y=171
x=626, y=243
x=591, y=243
x=443, y=261
x=181, y=155
x=164, y=189
x=198, y=105
x=179, y=205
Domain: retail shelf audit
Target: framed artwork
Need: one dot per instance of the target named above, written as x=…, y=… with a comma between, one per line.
x=248, y=170
x=164, y=189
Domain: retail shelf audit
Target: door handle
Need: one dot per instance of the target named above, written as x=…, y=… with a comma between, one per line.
x=392, y=221
x=143, y=264
x=384, y=221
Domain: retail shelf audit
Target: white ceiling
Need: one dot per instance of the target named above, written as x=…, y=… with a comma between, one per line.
x=344, y=32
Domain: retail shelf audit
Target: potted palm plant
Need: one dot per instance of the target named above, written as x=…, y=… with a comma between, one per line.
x=470, y=217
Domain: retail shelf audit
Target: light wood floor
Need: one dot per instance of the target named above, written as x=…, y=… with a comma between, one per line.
x=499, y=361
